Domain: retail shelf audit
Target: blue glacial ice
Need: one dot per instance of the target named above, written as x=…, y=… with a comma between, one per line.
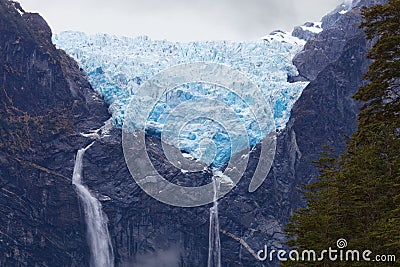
x=118, y=66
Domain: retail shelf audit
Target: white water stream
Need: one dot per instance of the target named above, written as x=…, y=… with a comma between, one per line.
x=214, y=243
x=102, y=254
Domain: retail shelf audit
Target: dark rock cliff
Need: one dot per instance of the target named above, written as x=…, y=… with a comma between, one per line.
x=46, y=102
x=334, y=62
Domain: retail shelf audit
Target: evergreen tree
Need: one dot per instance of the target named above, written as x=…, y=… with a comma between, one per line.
x=357, y=196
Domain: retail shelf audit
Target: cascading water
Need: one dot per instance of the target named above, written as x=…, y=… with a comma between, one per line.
x=102, y=254
x=214, y=243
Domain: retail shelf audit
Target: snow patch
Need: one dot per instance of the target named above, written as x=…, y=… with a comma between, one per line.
x=284, y=37
x=311, y=29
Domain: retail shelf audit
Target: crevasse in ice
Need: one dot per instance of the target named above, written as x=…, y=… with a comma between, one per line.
x=117, y=66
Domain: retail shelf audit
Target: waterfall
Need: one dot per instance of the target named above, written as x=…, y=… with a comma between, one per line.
x=99, y=239
x=214, y=243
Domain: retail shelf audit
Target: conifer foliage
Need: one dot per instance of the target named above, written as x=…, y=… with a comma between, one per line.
x=357, y=196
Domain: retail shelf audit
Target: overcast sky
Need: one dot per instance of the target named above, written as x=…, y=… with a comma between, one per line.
x=180, y=20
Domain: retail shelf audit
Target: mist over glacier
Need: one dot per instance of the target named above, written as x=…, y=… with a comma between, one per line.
x=118, y=66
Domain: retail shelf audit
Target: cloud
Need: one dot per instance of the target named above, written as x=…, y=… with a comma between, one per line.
x=180, y=20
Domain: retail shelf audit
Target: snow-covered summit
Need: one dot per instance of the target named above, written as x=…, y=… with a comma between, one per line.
x=309, y=29
x=117, y=66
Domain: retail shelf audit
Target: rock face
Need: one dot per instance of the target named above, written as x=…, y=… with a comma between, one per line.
x=307, y=31
x=334, y=63
x=46, y=102
x=327, y=47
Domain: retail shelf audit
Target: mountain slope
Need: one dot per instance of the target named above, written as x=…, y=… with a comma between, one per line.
x=334, y=62
x=45, y=101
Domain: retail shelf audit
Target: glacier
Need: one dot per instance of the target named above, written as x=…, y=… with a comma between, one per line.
x=118, y=66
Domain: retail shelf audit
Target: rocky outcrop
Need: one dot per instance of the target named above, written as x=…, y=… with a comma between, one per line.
x=326, y=47
x=307, y=30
